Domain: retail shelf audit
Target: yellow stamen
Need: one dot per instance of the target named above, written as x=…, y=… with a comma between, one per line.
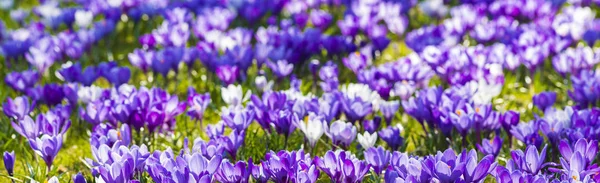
x=458, y=112
x=477, y=110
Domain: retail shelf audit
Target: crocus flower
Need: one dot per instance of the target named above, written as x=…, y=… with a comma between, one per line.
x=22, y=81
x=215, y=130
x=47, y=147
x=228, y=74
x=530, y=161
x=587, y=149
x=342, y=166
x=391, y=135
x=378, y=158
x=230, y=173
x=281, y=68
x=17, y=108
x=95, y=113
x=313, y=128
x=118, y=75
x=491, y=146
x=9, y=162
x=198, y=103
x=389, y=109
x=89, y=75
x=78, y=178
x=70, y=72
x=260, y=174
x=27, y=127
x=141, y=59
x=341, y=133
x=544, y=100
x=233, y=95
x=367, y=140
x=238, y=119
x=476, y=171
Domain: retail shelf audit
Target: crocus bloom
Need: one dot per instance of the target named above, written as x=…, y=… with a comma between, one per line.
x=78, y=178
x=530, y=161
x=9, y=162
x=388, y=109
x=313, y=128
x=588, y=150
x=197, y=104
x=491, y=146
x=230, y=173
x=22, y=81
x=281, y=68
x=378, y=158
x=544, y=100
x=27, y=127
x=391, y=135
x=233, y=95
x=341, y=133
x=47, y=147
x=17, y=108
x=228, y=74
x=367, y=140
x=118, y=75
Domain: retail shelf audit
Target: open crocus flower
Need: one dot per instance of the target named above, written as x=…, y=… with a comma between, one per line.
x=587, y=149
x=367, y=140
x=378, y=158
x=233, y=95
x=341, y=133
x=22, y=81
x=230, y=173
x=342, y=166
x=47, y=147
x=530, y=161
x=313, y=128
x=391, y=135
x=18, y=107
x=491, y=146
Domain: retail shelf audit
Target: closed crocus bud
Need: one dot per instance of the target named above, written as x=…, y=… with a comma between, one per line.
x=79, y=178
x=544, y=100
x=367, y=140
x=491, y=146
x=391, y=135
x=9, y=162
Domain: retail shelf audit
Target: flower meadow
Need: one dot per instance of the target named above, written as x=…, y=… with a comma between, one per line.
x=181, y=91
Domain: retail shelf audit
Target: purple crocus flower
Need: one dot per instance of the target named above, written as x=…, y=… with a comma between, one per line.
x=238, y=119
x=208, y=149
x=342, y=166
x=141, y=59
x=18, y=107
x=89, y=75
x=259, y=173
x=22, y=81
x=341, y=133
x=118, y=75
x=215, y=130
x=47, y=147
x=389, y=109
x=530, y=161
x=232, y=142
x=284, y=122
x=228, y=74
x=9, y=162
x=230, y=173
x=378, y=158
x=95, y=112
x=197, y=104
x=27, y=127
x=71, y=72
x=528, y=133
x=476, y=171
x=391, y=135
x=356, y=62
x=587, y=149
x=544, y=100
x=491, y=146
x=320, y=19
x=281, y=68
x=79, y=178
x=373, y=125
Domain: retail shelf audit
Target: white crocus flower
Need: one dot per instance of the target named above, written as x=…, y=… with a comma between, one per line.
x=362, y=91
x=234, y=95
x=87, y=94
x=486, y=91
x=83, y=18
x=313, y=128
x=367, y=140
